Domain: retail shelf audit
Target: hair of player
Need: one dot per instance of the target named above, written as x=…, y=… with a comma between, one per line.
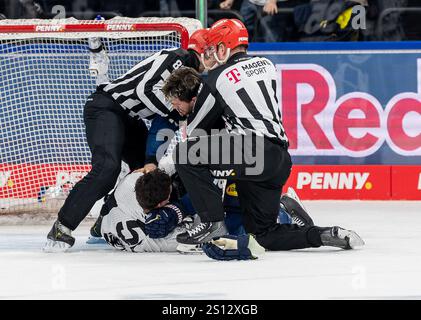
x=183, y=84
x=152, y=188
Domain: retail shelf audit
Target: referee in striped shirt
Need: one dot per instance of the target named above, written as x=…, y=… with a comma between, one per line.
x=115, y=130
x=252, y=151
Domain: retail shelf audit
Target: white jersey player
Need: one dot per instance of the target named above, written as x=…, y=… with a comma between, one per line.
x=139, y=217
x=127, y=226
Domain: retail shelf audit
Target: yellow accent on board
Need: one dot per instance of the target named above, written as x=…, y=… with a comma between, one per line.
x=232, y=190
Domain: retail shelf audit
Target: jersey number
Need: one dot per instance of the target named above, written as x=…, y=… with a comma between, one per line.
x=177, y=64
x=130, y=229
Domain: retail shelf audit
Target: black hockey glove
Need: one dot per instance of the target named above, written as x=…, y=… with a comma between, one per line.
x=161, y=221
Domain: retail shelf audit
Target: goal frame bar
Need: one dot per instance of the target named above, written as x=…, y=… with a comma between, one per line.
x=98, y=26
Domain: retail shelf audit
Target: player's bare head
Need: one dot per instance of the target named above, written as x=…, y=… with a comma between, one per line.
x=183, y=84
x=181, y=89
x=226, y=37
x=153, y=189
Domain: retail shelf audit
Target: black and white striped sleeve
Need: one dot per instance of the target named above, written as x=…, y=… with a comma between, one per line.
x=206, y=113
x=149, y=88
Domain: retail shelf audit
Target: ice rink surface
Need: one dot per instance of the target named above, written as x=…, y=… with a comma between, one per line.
x=388, y=267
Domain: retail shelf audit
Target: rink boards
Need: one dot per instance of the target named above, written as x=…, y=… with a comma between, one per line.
x=352, y=112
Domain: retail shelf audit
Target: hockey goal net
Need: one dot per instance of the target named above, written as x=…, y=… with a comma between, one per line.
x=44, y=82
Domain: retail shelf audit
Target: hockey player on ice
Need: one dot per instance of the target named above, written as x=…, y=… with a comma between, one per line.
x=141, y=216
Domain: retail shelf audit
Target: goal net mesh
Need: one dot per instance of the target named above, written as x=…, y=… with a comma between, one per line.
x=44, y=83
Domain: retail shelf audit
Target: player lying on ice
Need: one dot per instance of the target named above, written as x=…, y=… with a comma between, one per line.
x=145, y=214
x=242, y=92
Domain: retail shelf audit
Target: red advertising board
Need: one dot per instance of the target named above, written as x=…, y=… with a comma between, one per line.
x=312, y=182
x=406, y=182
x=320, y=182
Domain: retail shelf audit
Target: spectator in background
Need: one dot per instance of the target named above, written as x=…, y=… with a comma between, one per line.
x=169, y=8
x=30, y=9
x=126, y=8
x=264, y=14
x=327, y=20
x=390, y=28
x=250, y=9
x=175, y=8
x=316, y=20
x=226, y=4
x=278, y=25
x=221, y=9
x=23, y=9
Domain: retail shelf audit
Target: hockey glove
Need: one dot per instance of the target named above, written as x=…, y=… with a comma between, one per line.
x=228, y=247
x=161, y=221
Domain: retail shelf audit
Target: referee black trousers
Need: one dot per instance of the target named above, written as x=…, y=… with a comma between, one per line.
x=259, y=167
x=112, y=137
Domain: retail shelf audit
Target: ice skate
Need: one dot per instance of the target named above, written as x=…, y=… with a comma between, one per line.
x=203, y=232
x=295, y=208
x=95, y=233
x=189, y=223
x=341, y=238
x=59, y=239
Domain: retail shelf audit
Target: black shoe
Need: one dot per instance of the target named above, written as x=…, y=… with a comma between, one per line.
x=341, y=238
x=96, y=228
x=295, y=209
x=203, y=232
x=59, y=238
x=190, y=223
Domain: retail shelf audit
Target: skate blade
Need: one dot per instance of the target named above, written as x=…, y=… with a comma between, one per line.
x=355, y=240
x=189, y=248
x=96, y=240
x=52, y=246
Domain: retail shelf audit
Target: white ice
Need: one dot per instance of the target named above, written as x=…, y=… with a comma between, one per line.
x=388, y=267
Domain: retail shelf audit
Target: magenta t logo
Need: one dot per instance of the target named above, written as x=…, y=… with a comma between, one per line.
x=233, y=75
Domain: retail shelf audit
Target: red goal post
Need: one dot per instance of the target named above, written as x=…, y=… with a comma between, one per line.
x=38, y=27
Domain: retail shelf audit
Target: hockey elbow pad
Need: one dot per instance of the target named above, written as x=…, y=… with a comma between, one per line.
x=244, y=247
x=161, y=221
